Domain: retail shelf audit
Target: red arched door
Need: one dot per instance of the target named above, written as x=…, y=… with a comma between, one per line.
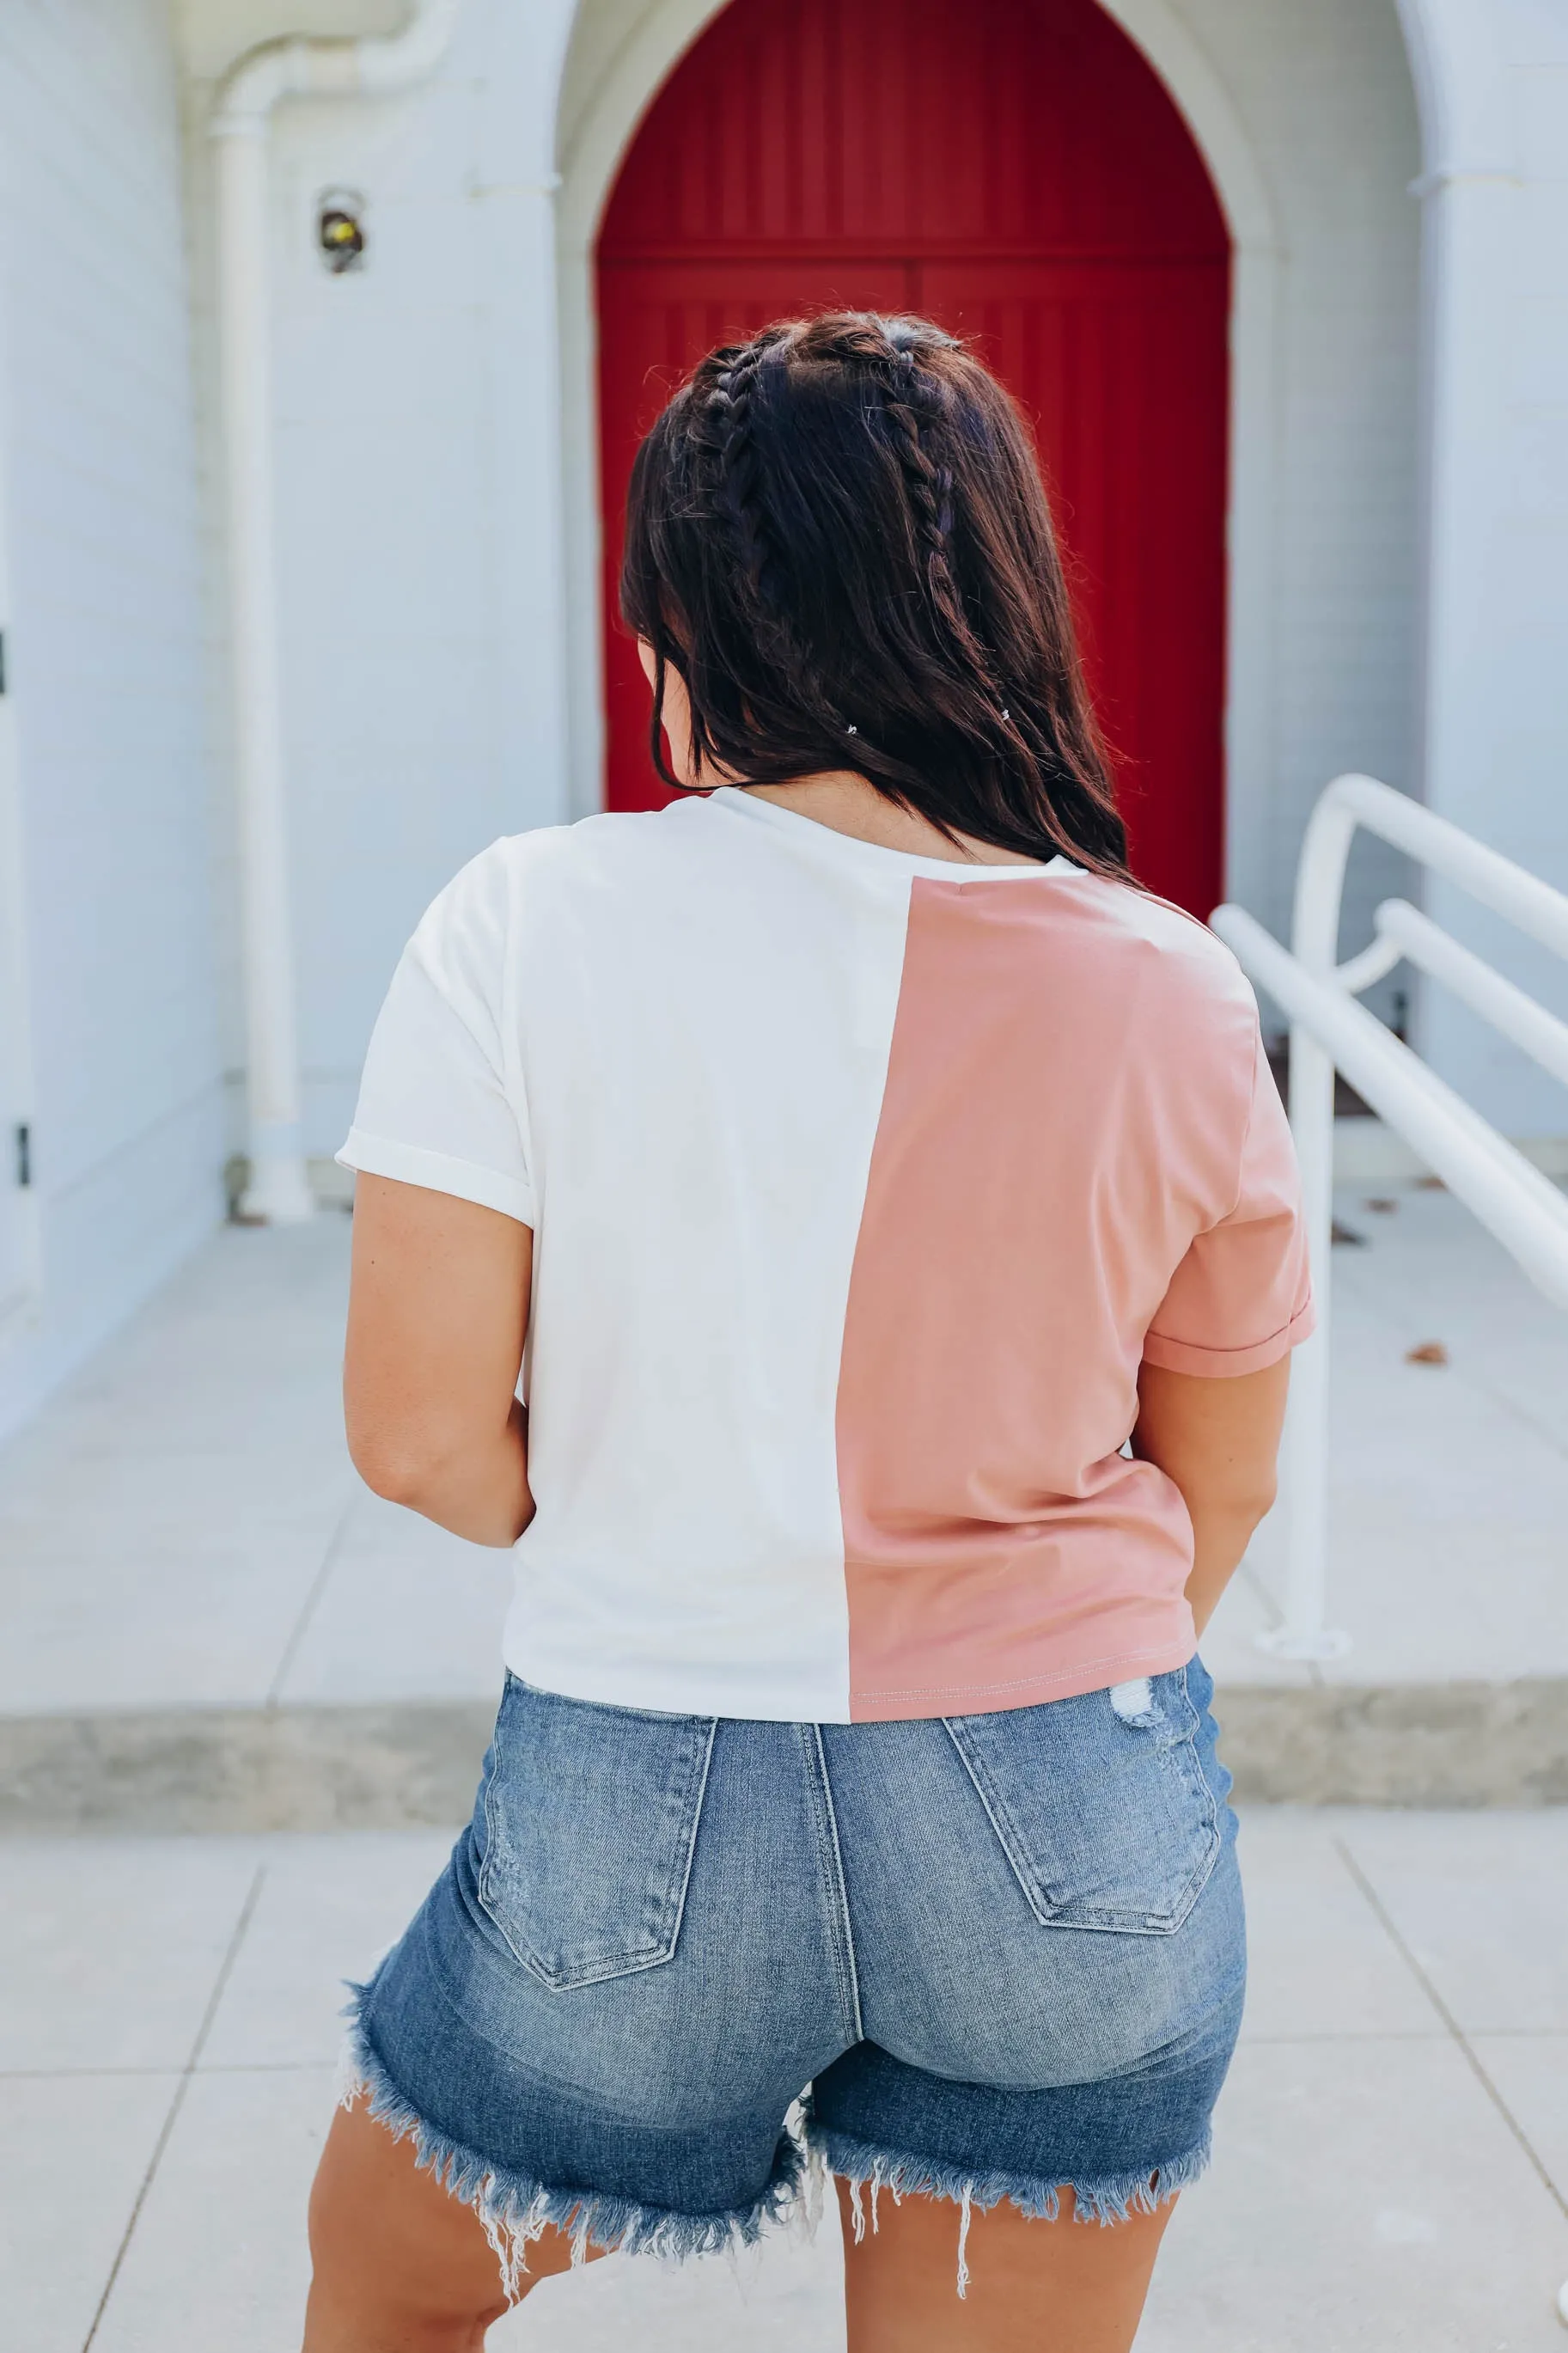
x=1014, y=169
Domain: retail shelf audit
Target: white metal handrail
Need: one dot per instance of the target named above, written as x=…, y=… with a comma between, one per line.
x=1329, y=1030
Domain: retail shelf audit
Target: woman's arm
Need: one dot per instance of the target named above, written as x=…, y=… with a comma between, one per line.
x=438, y=1315
x=1216, y=1438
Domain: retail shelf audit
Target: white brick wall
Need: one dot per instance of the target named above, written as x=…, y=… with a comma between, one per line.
x=107, y=671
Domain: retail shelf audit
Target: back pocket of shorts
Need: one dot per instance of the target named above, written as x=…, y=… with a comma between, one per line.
x=1103, y=1809
x=591, y=1821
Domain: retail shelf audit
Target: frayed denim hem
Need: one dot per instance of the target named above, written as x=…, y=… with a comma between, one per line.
x=515, y=2210
x=1109, y=2200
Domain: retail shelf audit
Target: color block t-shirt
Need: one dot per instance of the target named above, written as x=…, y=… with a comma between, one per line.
x=861, y=1183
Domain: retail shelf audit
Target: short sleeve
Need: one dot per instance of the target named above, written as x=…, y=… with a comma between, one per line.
x=1241, y=1298
x=440, y=1104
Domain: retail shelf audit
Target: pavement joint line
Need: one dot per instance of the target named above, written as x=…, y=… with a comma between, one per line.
x=1527, y=1421
x=1348, y=2034
x=312, y=1600
x=1455, y=2031
x=220, y=1986
x=220, y=2067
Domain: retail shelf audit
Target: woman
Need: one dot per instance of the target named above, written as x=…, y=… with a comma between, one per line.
x=855, y=1160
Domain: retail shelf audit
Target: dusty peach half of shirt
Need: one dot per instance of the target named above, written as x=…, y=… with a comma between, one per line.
x=1071, y=1170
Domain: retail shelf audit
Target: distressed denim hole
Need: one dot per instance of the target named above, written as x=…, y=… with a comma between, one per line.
x=1135, y=1702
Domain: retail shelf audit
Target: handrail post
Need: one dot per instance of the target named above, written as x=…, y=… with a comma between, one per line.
x=1304, y=1634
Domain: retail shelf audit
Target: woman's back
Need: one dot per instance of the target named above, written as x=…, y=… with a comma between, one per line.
x=861, y=1183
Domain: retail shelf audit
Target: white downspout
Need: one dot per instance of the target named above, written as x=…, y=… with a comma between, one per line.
x=279, y=1189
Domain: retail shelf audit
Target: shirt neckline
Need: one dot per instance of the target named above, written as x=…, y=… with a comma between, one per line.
x=875, y=856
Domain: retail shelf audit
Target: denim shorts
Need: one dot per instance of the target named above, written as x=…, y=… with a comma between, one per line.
x=677, y=1964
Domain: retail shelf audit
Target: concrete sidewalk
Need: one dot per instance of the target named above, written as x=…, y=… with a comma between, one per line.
x=1392, y=2148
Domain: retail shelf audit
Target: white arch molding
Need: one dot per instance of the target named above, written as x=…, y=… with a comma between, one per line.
x=588, y=159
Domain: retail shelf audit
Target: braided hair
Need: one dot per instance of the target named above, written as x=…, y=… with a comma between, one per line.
x=838, y=535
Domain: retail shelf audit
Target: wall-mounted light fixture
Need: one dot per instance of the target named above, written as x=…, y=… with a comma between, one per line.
x=340, y=230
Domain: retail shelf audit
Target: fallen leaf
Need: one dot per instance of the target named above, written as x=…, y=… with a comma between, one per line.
x=1347, y=1234
x=1427, y=1352
x=1430, y=1184
x=1383, y=1208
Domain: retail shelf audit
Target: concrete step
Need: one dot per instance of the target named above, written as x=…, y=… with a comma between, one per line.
x=397, y=1765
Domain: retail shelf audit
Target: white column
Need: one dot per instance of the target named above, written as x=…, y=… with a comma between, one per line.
x=279, y=1189
x=1469, y=773
x=1494, y=718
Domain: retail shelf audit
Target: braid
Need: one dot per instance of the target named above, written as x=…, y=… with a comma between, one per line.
x=731, y=415
x=929, y=489
x=930, y=493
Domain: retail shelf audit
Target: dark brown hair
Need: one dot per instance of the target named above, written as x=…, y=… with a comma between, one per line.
x=839, y=537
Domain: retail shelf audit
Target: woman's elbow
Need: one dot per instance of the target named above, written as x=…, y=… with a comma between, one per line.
x=397, y=1468
x=1252, y=1499
x=1238, y=1502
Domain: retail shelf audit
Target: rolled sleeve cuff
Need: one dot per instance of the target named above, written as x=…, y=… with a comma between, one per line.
x=1188, y=1356
x=438, y=1172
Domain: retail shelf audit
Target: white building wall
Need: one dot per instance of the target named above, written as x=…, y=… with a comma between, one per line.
x=1496, y=201
x=106, y=673
x=387, y=563
x=421, y=693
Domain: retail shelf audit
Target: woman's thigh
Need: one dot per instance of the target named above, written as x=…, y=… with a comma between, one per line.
x=399, y=2261
x=396, y=2260
x=1029, y=2283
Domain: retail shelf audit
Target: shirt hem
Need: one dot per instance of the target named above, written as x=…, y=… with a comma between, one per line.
x=439, y=1172
x=1025, y=1691
x=669, y=1694
x=1189, y=1357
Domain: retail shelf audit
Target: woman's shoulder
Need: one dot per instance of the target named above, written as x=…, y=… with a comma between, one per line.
x=621, y=845
x=629, y=842
x=1154, y=936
